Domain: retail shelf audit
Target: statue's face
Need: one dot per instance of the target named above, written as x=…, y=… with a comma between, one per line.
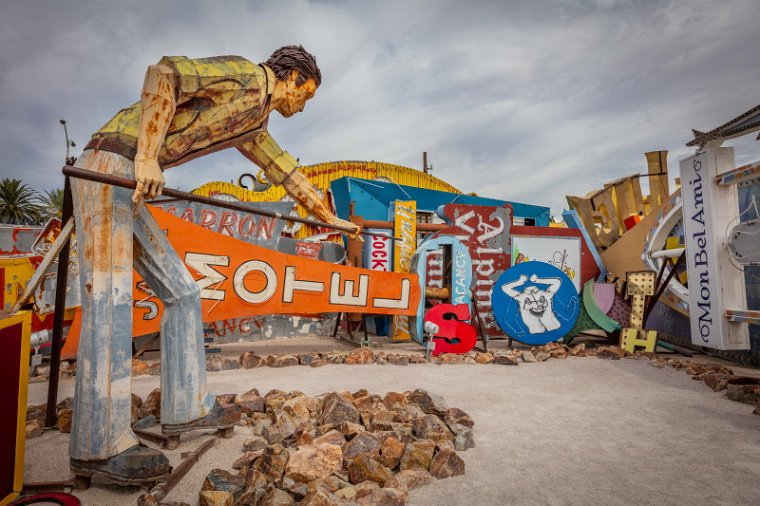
x=295, y=96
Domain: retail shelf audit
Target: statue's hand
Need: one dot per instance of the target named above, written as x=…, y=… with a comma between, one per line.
x=347, y=224
x=150, y=179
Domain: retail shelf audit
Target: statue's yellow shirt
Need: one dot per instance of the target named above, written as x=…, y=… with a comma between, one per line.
x=219, y=100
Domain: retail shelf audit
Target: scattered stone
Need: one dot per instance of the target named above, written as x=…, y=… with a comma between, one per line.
x=247, y=459
x=255, y=443
x=432, y=427
x=34, y=428
x=333, y=437
x=483, y=358
x=446, y=463
x=276, y=497
x=417, y=358
x=313, y=462
x=528, y=357
x=37, y=412
x=282, y=360
x=321, y=497
x=220, y=363
x=155, y=368
x=410, y=479
x=151, y=405
x=364, y=443
x=249, y=360
x=272, y=462
x=610, y=352
x=293, y=414
x=308, y=358
x=336, y=409
x=215, y=498
x=364, y=468
x=64, y=420
x=318, y=362
x=559, y=352
x=219, y=480
x=360, y=356
x=135, y=408
x=429, y=403
x=139, y=367
x=397, y=359
x=354, y=492
x=272, y=434
x=391, y=452
x=579, y=350
x=334, y=358
x=250, y=402
x=505, y=358
x=145, y=422
x=450, y=358
x=383, y=497
x=541, y=356
x=38, y=379
x=456, y=415
x=748, y=394
x=464, y=438
x=417, y=455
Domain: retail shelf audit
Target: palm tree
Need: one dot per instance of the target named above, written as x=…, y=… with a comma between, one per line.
x=19, y=203
x=52, y=204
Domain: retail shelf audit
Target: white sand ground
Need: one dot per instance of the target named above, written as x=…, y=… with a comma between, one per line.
x=575, y=431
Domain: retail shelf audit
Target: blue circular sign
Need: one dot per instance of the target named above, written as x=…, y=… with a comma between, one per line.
x=535, y=303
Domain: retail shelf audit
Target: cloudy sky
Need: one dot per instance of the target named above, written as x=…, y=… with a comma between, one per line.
x=525, y=101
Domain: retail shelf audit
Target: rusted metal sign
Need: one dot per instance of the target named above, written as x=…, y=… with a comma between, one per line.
x=17, y=239
x=405, y=228
x=485, y=232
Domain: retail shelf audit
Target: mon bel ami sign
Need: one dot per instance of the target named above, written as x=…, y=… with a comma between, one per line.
x=714, y=283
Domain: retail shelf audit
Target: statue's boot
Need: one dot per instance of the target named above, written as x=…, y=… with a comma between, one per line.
x=134, y=466
x=222, y=416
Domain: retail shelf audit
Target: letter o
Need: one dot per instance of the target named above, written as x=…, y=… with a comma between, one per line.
x=704, y=331
x=702, y=292
x=255, y=297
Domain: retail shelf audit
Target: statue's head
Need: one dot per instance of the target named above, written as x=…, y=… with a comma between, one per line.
x=298, y=77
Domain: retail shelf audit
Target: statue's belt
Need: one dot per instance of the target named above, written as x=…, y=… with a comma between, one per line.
x=113, y=146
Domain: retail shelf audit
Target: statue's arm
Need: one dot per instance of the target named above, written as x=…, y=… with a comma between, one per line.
x=553, y=283
x=281, y=168
x=158, y=103
x=509, y=288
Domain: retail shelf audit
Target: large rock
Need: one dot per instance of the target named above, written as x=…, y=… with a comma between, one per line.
x=432, y=427
x=321, y=497
x=360, y=356
x=364, y=443
x=139, y=367
x=464, y=437
x=215, y=498
x=219, y=363
x=364, y=468
x=395, y=400
x=277, y=497
x=152, y=405
x=748, y=394
x=502, y=357
x=135, y=408
x=336, y=409
x=219, y=480
x=294, y=413
x=391, y=452
x=249, y=360
x=418, y=455
x=429, y=403
x=383, y=497
x=250, y=402
x=410, y=479
x=456, y=415
x=64, y=420
x=446, y=463
x=272, y=462
x=332, y=437
x=282, y=360
x=36, y=412
x=34, y=428
x=313, y=462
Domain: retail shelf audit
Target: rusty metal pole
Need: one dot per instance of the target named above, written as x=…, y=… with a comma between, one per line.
x=60, y=309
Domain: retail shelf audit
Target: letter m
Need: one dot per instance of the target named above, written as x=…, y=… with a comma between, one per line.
x=201, y=263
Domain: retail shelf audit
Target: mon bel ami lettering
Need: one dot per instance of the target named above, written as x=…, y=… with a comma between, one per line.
x=339, y=291
x=700, y=256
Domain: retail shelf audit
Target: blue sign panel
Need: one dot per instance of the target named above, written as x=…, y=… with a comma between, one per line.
x=535, y=303
x=461, y=277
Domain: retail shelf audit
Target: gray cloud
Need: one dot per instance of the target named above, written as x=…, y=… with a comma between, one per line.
x=526, y=101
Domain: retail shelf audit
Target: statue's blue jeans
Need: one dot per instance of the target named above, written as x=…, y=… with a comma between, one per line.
x=112, y=238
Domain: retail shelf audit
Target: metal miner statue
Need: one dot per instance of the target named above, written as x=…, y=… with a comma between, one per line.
x=188, y=108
